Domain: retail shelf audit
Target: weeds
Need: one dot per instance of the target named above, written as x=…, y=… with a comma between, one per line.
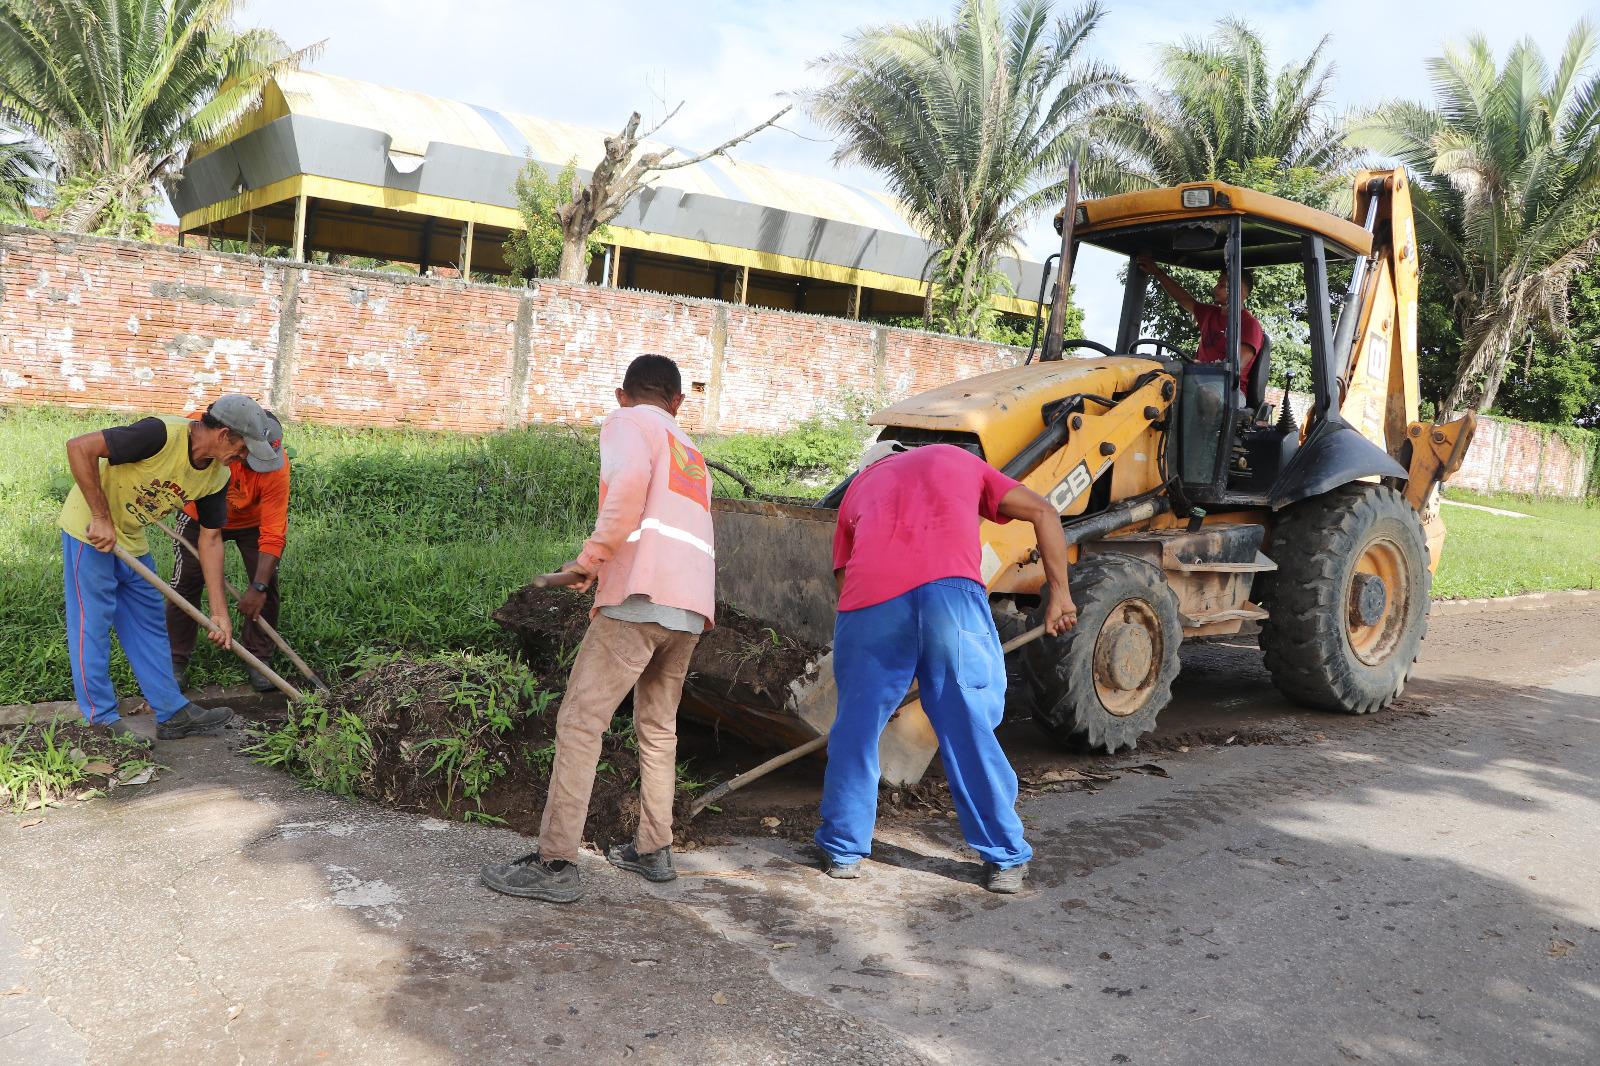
x=41, y=765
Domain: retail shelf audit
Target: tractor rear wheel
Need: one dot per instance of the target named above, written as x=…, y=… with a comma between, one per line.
x=1100, y=685
x=1348, y=605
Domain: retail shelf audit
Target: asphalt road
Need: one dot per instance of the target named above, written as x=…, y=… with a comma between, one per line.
x=1414, y=887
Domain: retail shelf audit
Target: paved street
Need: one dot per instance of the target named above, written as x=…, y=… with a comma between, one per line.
x=1414, y=887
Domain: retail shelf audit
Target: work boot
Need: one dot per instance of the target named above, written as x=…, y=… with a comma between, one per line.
x=530, y=877
x=1007, y=881
x=194, y=719
x=652, y=866
x=844, y=871
x=119, y=730
x=258, y=680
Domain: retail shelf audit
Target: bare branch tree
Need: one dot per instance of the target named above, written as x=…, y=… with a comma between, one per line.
x=617, y=178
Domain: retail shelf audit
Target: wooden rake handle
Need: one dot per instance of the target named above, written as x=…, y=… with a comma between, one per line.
x=200, y=616
x=277, y=638
x=818, y=743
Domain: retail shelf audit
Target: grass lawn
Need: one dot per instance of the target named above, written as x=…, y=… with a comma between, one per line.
x=1492, y=555
x=407, y=540
x=397, y=539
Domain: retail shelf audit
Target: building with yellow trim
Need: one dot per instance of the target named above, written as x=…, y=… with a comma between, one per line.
x=347, y=167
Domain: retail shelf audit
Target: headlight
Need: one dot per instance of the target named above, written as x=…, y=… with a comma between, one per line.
x=1080, y=217
x=1197, y=197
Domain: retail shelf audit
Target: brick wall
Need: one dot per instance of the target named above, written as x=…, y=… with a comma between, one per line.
x=91, y=322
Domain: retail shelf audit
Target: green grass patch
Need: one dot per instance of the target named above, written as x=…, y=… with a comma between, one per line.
x=1494, y=555
x=44, y=763
x=398, y=540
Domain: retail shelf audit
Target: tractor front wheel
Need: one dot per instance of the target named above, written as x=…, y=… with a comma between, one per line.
x=1348, y=605
x=1100, y=685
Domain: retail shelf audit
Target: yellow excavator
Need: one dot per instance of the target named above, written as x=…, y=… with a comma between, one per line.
x=1194, y=506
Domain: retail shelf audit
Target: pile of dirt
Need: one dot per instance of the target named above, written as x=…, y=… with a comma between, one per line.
x=741, y=652
x=458, y=737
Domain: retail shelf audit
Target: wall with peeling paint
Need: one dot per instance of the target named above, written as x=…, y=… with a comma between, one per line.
x=93, y=322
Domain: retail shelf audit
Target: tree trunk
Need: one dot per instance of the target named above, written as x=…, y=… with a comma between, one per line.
x=574, y=257
x=1480, y=370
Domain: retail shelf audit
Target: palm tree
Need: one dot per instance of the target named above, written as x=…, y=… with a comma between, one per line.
x=971, y=123
x=118, y=89
x=21, y=175
x=1506, y=183
x=1219, y=108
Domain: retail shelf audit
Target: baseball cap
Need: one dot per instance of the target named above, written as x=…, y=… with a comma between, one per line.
x=262, y=433
x=880, y=449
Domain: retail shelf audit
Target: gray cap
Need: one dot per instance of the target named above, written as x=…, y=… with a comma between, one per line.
x=263, y=435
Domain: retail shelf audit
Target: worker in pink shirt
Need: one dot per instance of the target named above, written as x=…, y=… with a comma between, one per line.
x=651, y=552
x=913, y=606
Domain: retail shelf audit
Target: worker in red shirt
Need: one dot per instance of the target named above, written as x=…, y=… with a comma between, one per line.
x=258, y=518
x=913, y=606
x=1212, y=318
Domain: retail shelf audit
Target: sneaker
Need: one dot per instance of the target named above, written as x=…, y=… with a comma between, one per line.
x=194, y=719
x=1006, y=881
x=258, y=680
x=844, y=871
x=117, y=729
x=652, y=866
x=530, y=877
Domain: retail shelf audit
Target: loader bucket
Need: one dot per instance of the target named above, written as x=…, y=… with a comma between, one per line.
x=775, y=562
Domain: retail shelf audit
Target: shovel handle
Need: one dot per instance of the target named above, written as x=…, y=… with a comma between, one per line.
x=273, y=634
x=199, y=616
x=818, y=743
x=559, y=579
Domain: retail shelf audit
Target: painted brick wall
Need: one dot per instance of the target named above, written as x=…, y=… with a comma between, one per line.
x=90, y=322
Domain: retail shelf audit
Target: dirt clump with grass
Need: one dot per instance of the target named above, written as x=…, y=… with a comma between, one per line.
x=45, y=764
x=459, y=736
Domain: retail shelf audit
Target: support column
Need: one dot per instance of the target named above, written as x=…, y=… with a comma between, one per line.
x=299, y=253
x=744, y=286
x=466, y=251
x=719, y=345
x=855, y=303
x=423, y=262
x=283, y=363
x=516, y=409
x=616, y=263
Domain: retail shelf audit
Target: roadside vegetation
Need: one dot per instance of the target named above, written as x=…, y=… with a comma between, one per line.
x=1494, y=555
x=398, y=540
x=45, y=764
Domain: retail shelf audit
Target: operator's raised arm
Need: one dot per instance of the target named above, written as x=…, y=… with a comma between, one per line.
x=1212, y=318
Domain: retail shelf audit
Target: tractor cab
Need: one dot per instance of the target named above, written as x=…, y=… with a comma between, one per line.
x=1230, y=445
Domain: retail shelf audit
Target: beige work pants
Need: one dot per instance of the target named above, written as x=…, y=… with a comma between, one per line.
x=614, y=657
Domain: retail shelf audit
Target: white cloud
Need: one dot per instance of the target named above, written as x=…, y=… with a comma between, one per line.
x=731, y=64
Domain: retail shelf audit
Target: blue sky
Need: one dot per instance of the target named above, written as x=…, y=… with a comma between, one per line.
x=732, y=62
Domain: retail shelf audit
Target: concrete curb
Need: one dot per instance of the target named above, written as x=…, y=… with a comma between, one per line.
x=239, y=697
x=1527, y=601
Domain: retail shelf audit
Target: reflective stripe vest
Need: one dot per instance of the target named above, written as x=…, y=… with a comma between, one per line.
x=653, y=534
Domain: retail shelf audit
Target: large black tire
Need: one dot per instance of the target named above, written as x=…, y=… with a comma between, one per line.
x=1348, y=605
x=1100, y=685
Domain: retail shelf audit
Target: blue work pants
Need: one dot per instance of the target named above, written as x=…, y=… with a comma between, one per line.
x=104, y=593
x=943, y=635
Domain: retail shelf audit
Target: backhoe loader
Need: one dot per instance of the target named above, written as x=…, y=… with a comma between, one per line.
x=1194, y=507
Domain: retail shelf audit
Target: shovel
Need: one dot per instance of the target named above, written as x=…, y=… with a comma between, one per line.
x=199, y=616
x=818, y=743
x=277, y=638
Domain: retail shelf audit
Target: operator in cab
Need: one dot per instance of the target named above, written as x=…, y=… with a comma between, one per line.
x=1212, y=318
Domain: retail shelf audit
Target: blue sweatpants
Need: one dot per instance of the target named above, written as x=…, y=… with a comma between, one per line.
x=942, y=634
x=104, y=593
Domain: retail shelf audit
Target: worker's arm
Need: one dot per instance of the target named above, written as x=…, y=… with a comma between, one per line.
x=270, y=538
x=211, y=567
x=1179, y=294
x=83, y=457
x=624, y=484
x=1028, y=506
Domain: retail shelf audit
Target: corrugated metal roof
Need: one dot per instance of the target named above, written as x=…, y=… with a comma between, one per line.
x=414, y=120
